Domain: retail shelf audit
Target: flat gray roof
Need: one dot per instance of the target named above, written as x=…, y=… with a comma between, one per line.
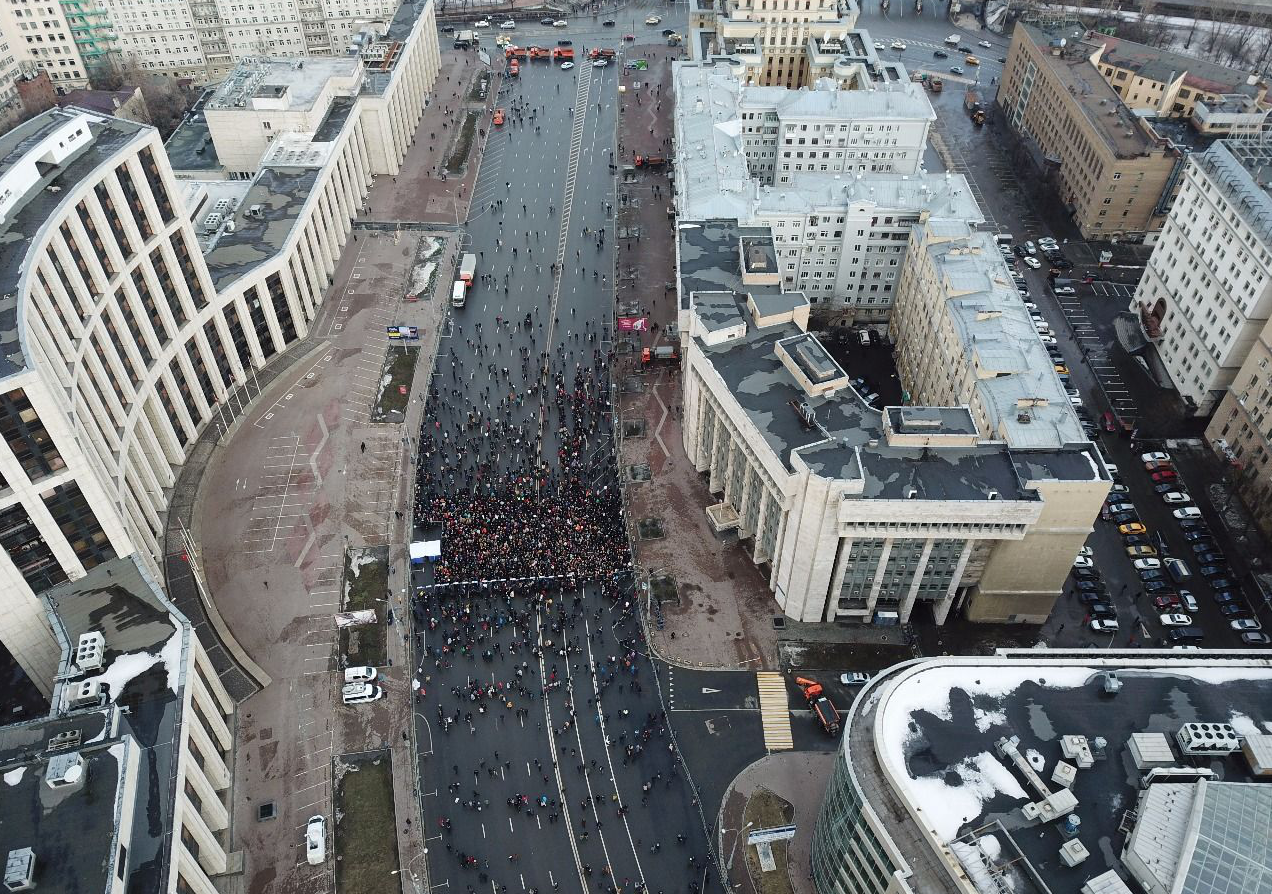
x=190, y=148
x=281, y=193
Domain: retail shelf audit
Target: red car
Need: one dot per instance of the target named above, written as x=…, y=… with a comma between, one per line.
x=1109, y=422
x=1166, y=603
x=1165, y=475
x=629, y=37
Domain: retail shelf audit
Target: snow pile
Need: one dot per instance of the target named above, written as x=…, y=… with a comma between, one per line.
x=948, y=804
x=987, y=720
x=1036, y=760
x=13, y=777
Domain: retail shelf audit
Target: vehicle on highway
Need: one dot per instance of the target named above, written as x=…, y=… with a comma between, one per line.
x=499, y=117
x=1032, y=262
x=508, y=25
x=566, y=66
x=898, y=45
x=963, y=48
x=941, y=54
x=1135, y=528
x=608, y=23
x=1174, y=620
x=953, y=40
x=629, y=37
x=600, y=63
x=1252, y=638
x=548, y=21
x=985, y=44
x=855, y=678
x=565, y=43
x=560, y=23
x=653, y=20
x=1176, y=496
x=316, y=840
x=954, y=69
x=971, y=60
x=880, y=45
x=481, y=23
x=448, y=29
x=1188, y=512
x=1245, y=624
x=1103, y=625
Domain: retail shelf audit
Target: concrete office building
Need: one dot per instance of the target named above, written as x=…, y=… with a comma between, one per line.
x=1034, y=771
x=1113, y=170
x=1206, y=293
x=836, y=174
x=125, y=785
x=861, y=514
x=770, y=38
x=123, y=332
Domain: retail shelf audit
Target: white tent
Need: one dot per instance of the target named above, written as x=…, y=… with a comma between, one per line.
x=425, y=549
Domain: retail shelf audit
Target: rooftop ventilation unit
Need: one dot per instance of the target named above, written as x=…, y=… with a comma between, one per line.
x=19, y=870
x=90, y=651
x=256, y=211
x=65, y=770
x=1208, y=738
x=86, y=693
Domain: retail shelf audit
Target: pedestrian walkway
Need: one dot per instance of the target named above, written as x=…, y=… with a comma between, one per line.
x=775, y=713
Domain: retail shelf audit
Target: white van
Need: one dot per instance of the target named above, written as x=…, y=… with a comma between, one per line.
x=952, y=40
x=459, y=293
x=360, y=693
x=362, y=674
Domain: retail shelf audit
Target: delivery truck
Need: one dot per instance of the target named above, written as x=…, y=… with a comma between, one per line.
x=459, y=293
x=468, y=267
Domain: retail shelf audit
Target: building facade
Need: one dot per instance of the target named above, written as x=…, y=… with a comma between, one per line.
x=1113, y=171
x=125, y=330
x=1206, y=293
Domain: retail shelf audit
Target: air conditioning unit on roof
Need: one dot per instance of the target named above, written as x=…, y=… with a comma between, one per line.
x=90, y=651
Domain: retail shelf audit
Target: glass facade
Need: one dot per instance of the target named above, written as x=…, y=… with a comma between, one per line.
x=23, y=431
x=847, y=857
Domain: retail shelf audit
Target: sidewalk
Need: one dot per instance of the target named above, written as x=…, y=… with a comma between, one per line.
x=723, y=615
x=798, y=777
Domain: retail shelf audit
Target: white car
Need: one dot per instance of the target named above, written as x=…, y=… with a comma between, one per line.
x=316, y=840
x=1030, y=248
x=1175, y=620
x=1047, y=339
x=1146, y=564
x=1048, y=242
x=1065, y=290
x=1176, y=496
x=1086, y=551
x=1187, y=513
x=1103, y=625
x=560, y=23
x=361, y=693
x=508, y=25
x=898, y=45
x=1156, y=457
x=600, y=63
x=481, y=23
x=1032, y=261
x=1075, y=401
x=856, y=678
x=880, y=45
x=1083, y=562
x=985, y=43
x=653, y=20
x=362, y=674
x=1245, y=624
x=566, y=66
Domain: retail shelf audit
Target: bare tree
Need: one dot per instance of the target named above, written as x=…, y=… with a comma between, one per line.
x=166, y=100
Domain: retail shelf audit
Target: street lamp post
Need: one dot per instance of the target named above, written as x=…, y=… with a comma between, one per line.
x=728, y=866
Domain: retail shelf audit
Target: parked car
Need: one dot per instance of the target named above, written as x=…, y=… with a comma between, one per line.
x=856, y=678
x=1103, y=625
x=316, y=840
x=362, y=674
x=1165, y=475
x=1212, y=558
x=1136, y=552
x=1166, y=603
x=1032, y=262
x=1102, y=609
x=1091, y=597
x=1194, y=524
x=1155, y=457
x=1164, y=488
x=1174, y=619
x=1144, y=564
x=1158, y=465
x=1085, y=574
x=1196, y=534
x=1065, y=290
x=1121, y=507
x=1189, y=600
x=1176, y=497
x=1151, y=574
x=1124, y=518
x=1083, y=562
x=1133, y=528
x=1245, y=624
x=1188, y=512
x=361, y=693
x=1178, y=569
x=1214, y=571
x=1090, y=586
x=1234, y=610
x=1224, y=596
x=1157, y=587
x=1252, y=638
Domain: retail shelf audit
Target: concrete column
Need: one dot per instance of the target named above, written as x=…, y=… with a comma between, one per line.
x=907, y=604
x=942, y=607
x=878, y=577
x=211, y=713
x=212, y=808
x=837, y=579
x=292, y=297
x=189, y=871
x=211, y=682
x=211, y=853
x=213, y=766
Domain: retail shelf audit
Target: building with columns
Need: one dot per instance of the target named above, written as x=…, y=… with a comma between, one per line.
x=125, y=784
x=857, y=513
x=123, y=328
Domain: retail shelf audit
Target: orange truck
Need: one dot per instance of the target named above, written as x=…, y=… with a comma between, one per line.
x=516, y=53
x=822, y=709
x=540, y=53
x=514, y=68
x=563, y=54
x=602, y=53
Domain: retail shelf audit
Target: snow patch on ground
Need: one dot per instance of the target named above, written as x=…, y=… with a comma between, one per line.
x=1245, y=726
x=124, y=668
x=14, y=776
x=987, y=720
x=1036, y=760
x=991, y=846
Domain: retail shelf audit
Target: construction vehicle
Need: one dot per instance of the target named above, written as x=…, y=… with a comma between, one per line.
x=971, y=102
x=514, y=68
x=666, y=353
x=601, y=53
x=563, y=54
x=653, y=162
x=540, y=53
x=516, y=53
x=820, y=704
x=936, y=85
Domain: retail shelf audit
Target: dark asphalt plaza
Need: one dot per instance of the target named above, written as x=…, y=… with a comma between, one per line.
x=546, y=762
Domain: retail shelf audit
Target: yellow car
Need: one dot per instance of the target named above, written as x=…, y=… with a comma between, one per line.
x=972, y=60
x=1062, y=369
x=1140, y=552
x=1132, y=528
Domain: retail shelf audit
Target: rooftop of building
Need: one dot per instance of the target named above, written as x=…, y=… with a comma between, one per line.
x=848, y=439
x=104, y=102
x=1015, y=376
x=382, y=62
x=1243, y=171
x=190, y=148
x=895, y=100
x=40, y=198
x=922, y=742
x=143, y=658
x=262, y=223
x=1125, y=134
x=1164, y=66
x=297, y=82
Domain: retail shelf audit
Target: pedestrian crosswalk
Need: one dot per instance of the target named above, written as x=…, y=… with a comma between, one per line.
x=775, y=714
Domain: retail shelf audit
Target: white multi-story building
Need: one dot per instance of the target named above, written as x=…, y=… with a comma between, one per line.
x=836, y=174
x=121, y=332
x=770, y=38
x=1207, y=290
x=40, y=34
